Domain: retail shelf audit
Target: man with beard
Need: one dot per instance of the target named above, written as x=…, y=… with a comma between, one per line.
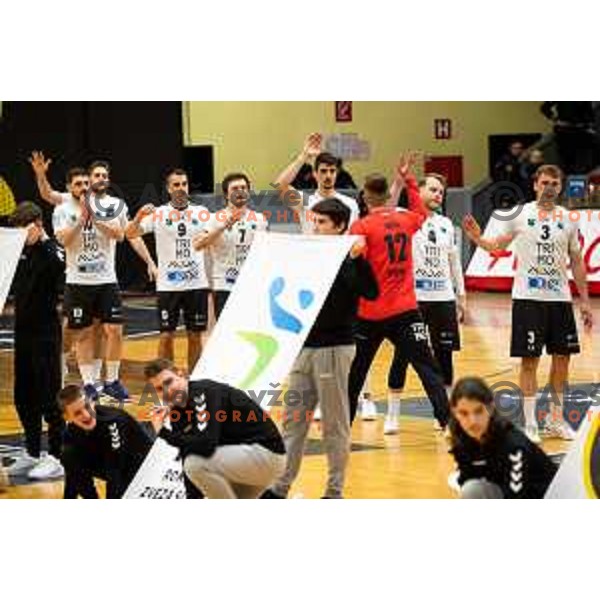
x=89, y=225
x=228, y=236
x=545, y=239
x=325, y=169
x=101, y=171
x=182, y=282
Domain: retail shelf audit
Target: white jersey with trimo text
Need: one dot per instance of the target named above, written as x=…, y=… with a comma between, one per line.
x=229, y=252
x=542, y=245
x=90, y=259
x=180, y=267
x=437, y=267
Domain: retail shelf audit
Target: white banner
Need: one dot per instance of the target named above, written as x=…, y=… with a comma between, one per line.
x=496, y=270
x=578, y=477
x=11, y=246
x=271, y=310
x=160, y=477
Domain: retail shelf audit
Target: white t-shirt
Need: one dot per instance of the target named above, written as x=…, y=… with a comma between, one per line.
x=542, y=245
x=180, y=267
x=435, y=258
x=351, y=203
x=229, y=252
x=90, y=258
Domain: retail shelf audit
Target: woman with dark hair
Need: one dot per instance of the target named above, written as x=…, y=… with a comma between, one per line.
x=495, y=459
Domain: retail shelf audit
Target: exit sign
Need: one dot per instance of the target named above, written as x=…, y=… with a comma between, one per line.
x=343, y=112
x=442, y=129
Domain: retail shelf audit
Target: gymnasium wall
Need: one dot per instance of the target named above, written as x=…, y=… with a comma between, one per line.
x=261, y=137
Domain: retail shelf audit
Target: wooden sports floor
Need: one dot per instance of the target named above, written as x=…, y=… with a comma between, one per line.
x=413, y=464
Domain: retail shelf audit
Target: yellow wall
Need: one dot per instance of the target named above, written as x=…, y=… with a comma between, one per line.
x=261, y=137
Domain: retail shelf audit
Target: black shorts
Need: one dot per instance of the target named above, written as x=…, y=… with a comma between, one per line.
x=442, y=322
x=406, y=332
x=193, y=303
x=84, y=303
x=538, y=324
x=220, y=297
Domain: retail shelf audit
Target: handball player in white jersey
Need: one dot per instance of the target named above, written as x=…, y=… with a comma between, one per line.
x=182, y=282
x=545, y=238
x=228, y=236
x=89, y=225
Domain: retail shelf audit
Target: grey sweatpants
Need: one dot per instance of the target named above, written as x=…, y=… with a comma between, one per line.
x=319, y=375
x=480, y=489
x=242, y=471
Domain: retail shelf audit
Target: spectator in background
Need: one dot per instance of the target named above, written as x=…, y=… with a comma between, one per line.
x=508, y=167
x=576, y=136
x=508, y=172
x=534, y=159
x=344, y=180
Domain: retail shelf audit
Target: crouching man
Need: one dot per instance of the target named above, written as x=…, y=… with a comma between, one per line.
x=100, y=442
x=229, y=446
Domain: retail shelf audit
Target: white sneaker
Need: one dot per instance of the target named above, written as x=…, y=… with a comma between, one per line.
x=391, y=426
x=48, y=467
x=453, y=481
x=559, y=431
x=533, y=433
x=317, y=414
x=368, y=409
x=22, y=465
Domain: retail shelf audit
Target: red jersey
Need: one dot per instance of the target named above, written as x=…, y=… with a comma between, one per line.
x=388, y=233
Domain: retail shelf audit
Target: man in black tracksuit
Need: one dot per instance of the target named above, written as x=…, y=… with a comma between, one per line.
x=37, y=284
x=102, y=442
x=229, y=446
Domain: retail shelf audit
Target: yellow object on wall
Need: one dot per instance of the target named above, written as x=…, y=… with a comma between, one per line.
x=7, y=199
x=260, y=138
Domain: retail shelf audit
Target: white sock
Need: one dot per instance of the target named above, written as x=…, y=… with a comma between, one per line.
x=529, y=406
x=394, y=405
x=87, y=373
x=112, y=370
x=97, y=369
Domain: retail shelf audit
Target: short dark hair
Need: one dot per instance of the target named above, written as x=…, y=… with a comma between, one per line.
x=177, y=171
x=76, y=172
x=377, y=184
x=335, y=209
x=326, y=158
x=157, y=366
x=26, y=213
x=69, y=394
x=98, y=163
x=232, y=177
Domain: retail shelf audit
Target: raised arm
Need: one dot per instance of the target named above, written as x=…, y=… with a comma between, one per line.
x=40, y=166
x=312, y=147
x=473, y=232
